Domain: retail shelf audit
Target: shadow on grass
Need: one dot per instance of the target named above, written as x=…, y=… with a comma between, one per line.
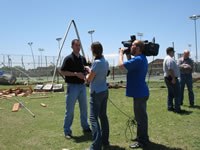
x=184, y=112
x=114, y=147
x=82, y=138
x=195, y=107
x=155, y=146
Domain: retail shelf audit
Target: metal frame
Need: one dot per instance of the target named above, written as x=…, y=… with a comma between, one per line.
x=63, y=42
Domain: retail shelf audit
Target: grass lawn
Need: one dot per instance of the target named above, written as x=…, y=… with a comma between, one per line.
x=167, y=130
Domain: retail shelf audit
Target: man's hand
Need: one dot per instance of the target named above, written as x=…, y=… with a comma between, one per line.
x=121, y=59
x=87, y=68
x=186, y=66
x=121, y=51
x=173, y=80
x=80, y=75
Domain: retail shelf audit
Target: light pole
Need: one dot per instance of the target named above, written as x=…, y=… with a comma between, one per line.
x=190, y=45
x=41, y=50
x=195, y=17
x=91, y=32
x=140, y=35
x=30, y=44
x=58, y=39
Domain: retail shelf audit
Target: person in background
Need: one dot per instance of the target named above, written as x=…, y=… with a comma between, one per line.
x=98, y=98
x=171, y=74
x=186, y=68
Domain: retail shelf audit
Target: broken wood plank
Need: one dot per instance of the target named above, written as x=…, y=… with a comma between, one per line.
x=43, y=105
x=15, y=107
x=40, y=97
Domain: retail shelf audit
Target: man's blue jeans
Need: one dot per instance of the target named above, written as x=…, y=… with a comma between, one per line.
x=173, y=93
x=98, y=109
x=142, y=119
x=186, y=79
x=74, y=92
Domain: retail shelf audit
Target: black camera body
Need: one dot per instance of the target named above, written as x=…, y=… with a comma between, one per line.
x=150, y=48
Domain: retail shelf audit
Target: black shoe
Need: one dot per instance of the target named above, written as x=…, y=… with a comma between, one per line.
x=87, y=130
x=136, y=145
x=134, y=139
x=106, y=146
x=180, y=111
x=191, y=105
x=170, y=109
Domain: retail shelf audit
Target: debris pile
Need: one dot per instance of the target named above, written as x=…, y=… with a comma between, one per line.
x=49, y=87
x=19, y=91
x=116, y=85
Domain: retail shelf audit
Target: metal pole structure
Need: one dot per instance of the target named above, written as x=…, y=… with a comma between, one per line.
x=63, y=45
x=195, y=17
x=174, y=49
x=22, y=59
x=32, y=114
x=30, y=44
x=41, y=50
x=58, y=39
x=140, y=35
x=61, y=50
x=190, y=45
x=91, y=32
x=46, y=67
x=38, y=61
x=3, y=58
x=78, y=38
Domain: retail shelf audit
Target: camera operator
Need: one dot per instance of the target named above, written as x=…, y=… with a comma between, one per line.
x=74, y=72
x=137, y=88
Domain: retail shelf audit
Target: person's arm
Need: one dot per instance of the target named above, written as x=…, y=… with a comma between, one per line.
x=171, y=72
x=181, y=66
x=73, y=74
x=91, y=75
x=121, y=58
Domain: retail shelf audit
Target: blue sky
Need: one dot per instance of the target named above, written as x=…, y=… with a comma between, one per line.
x=42, y=21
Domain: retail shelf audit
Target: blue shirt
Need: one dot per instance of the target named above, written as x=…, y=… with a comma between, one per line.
x=100, y=67
x=137, y=68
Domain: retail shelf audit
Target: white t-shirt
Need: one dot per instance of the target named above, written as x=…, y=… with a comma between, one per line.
x=170, y=64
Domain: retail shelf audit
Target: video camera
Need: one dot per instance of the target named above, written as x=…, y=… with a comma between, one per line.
x=150, y=48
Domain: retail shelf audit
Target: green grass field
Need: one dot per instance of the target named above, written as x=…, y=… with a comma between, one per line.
x=167, y=130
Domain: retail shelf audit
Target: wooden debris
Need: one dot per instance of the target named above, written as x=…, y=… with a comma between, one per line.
x=16, y=107
x=22, y=94
x=40, y=97
x=19, y=91
x=43, y=105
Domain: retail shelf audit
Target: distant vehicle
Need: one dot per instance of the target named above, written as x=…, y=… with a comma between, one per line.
x=7, y=79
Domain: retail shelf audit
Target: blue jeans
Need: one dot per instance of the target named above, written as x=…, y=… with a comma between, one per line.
x=141, y=117
x=186, y=79
x=74, y=92
x=98, y=109
x=173, y=93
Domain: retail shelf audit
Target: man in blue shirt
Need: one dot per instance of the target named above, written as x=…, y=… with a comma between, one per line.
x=137, y=88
